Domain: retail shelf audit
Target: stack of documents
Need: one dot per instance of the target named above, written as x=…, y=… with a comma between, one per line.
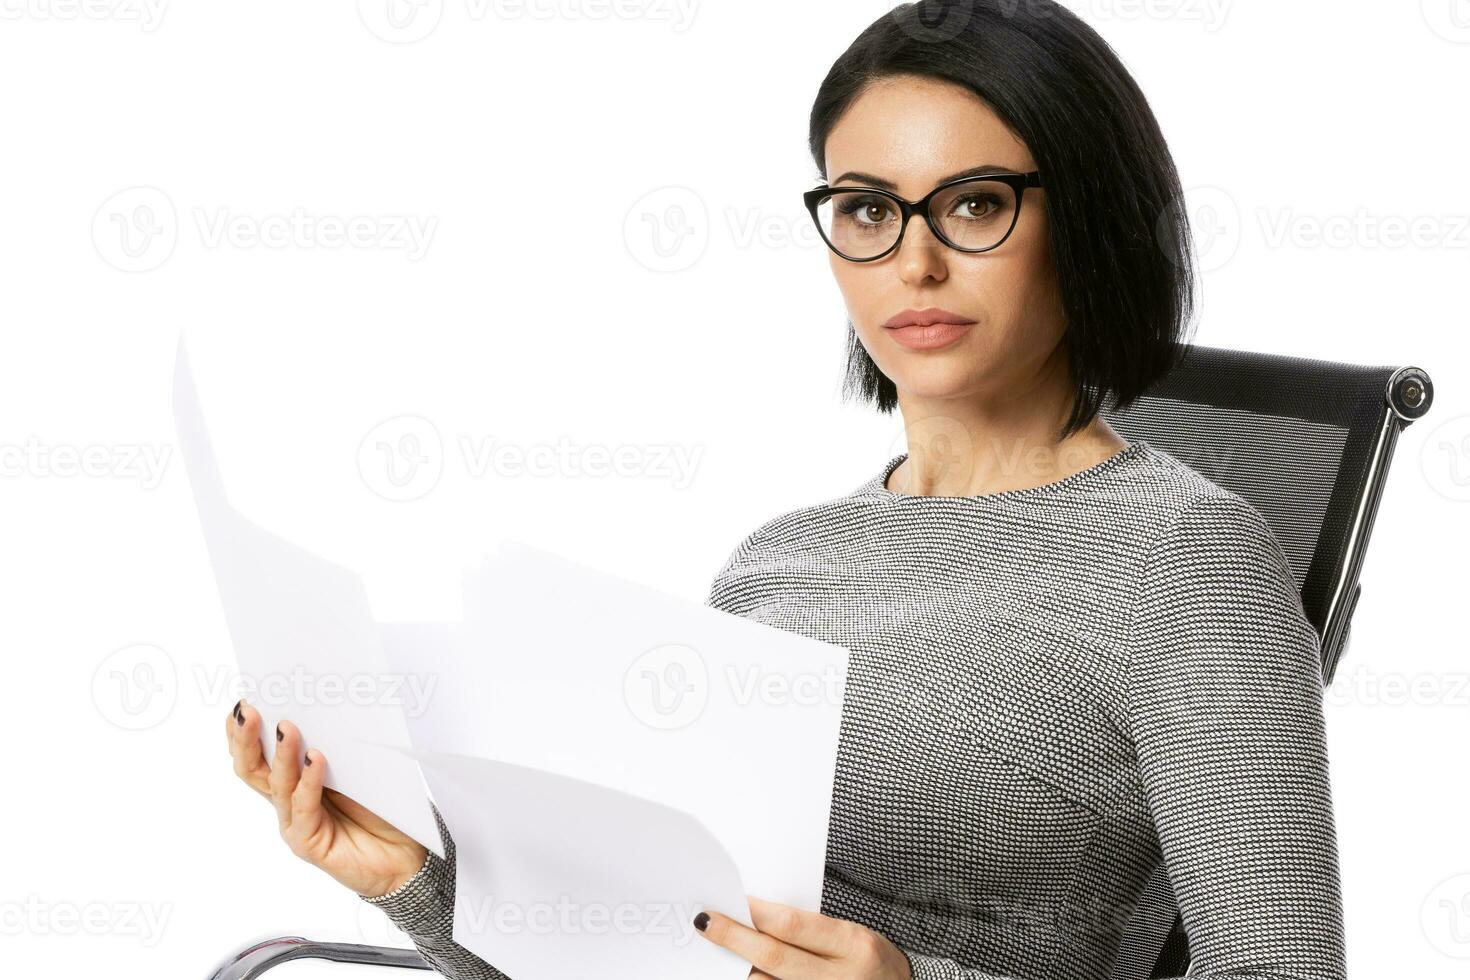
x=609, y=759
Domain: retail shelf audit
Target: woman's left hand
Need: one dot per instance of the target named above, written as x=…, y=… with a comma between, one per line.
x=793, y=944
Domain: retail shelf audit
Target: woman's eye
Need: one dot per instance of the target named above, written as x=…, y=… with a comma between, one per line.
x=976, y=206
x=867, y=210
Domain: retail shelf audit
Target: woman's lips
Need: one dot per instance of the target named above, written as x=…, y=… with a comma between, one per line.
x=927, y=336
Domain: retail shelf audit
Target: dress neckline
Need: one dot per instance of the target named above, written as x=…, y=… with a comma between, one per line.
x=877, y=486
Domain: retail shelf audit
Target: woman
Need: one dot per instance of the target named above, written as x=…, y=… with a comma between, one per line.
x=1073, y=657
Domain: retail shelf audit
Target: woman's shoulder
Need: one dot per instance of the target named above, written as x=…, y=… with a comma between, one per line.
x=1183, y=498
x=1194, y=510
x=1212, y=566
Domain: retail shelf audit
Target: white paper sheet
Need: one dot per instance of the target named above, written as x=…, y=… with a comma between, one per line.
x=303, y=634
x=591, y=676
x=559, y=878
x=643, y=756
x=609, y=759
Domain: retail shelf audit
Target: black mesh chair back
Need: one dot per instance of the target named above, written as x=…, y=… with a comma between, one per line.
x=1308, y=444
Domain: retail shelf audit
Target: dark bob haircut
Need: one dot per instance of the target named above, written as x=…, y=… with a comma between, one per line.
x=1119, y=232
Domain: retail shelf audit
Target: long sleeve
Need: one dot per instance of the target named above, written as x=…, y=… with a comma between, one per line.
x=1225, y=705
x=423, y=907
x=1225, y=701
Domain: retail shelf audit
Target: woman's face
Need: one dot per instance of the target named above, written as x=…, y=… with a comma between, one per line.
x=915, y=132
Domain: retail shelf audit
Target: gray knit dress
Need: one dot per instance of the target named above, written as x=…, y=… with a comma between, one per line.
x=1050, y=692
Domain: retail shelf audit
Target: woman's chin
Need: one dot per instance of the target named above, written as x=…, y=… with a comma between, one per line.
x=938, y=379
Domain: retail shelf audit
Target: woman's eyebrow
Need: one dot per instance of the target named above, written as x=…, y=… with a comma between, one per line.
x=888, y=185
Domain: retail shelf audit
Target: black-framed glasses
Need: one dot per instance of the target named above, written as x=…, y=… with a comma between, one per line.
x=971, y=214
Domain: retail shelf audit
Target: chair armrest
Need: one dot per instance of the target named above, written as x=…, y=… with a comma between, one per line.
x=254, y=960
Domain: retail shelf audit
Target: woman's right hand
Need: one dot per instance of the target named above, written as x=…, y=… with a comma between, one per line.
x=346, y=840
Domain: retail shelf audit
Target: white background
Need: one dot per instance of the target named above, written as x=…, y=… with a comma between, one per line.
x=542, y=306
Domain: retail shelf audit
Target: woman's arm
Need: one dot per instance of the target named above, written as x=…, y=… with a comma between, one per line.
x=1225, y=703
x=423, y=907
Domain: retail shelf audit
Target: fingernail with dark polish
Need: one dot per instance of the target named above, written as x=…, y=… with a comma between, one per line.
x=701, y=920
x=279, y=734
x=239, y=715
x=308, y=758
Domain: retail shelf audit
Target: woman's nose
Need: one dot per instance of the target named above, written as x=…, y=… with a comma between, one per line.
x=920, y=254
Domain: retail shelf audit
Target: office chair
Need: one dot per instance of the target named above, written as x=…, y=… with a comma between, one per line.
x=1308, y=443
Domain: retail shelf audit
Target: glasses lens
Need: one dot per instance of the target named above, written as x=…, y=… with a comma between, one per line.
x=975, y=214
x=859, y=224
